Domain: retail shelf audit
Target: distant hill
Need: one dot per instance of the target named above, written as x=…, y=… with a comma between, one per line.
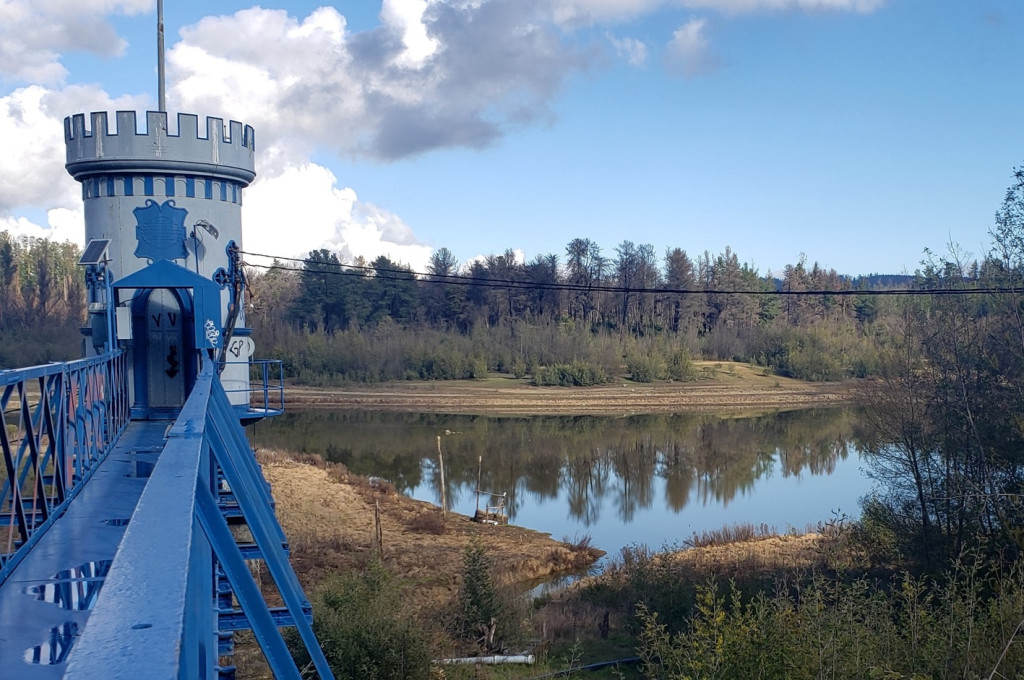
x=882, y=281
x=870, y=281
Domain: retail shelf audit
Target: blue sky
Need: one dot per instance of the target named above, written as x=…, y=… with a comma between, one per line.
x=856, y=132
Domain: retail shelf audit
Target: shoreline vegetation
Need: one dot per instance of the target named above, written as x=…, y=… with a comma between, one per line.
x=723, y=387
x=341, y=523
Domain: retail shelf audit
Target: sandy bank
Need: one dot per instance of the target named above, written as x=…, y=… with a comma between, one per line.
x=724, y=386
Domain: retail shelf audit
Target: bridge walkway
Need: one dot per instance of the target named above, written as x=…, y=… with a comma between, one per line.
x=47, y=599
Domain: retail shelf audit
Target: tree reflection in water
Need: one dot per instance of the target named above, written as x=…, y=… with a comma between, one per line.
x=598, y=464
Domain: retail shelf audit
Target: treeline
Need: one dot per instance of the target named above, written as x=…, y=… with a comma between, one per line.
x=42, y=301
x=580, y=319
x=577, y=320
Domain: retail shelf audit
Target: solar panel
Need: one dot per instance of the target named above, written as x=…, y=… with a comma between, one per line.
x=95, y=252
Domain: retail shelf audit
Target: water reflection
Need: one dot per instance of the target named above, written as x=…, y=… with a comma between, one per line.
x=76, y=588
x=55, y=648
x=596, y=466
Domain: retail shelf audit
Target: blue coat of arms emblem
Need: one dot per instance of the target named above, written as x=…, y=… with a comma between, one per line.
x=160, y=230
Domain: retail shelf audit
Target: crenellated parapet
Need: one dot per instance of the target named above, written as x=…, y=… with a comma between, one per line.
x=224, y=153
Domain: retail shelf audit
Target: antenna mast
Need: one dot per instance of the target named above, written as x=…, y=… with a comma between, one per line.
x=161, y=99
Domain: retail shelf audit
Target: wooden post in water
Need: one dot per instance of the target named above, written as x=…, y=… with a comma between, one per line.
x=479, y=470
x=440, y=462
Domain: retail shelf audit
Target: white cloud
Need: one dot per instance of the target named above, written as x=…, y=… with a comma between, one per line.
x=62, y=224
x=583, y=12
x=34, y=33
x=632, y=50
x=32, y=126
x=406, y=16
x=687, y=53
x=302, y=209
x=433, y=75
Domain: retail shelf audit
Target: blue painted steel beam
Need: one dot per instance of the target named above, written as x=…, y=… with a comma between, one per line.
x=157, y=614
x=139, y=626
x=236, y=619
x=238, y=465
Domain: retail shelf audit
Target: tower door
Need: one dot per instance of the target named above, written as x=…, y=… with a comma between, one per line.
x=165, y=361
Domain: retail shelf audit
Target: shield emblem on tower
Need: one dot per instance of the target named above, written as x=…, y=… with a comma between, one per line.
x=160, y=230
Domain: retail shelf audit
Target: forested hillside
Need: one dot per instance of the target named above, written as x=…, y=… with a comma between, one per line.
x=42, y=301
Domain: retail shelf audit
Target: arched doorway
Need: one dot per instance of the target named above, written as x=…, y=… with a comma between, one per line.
x=165, y=342
x=164, y=361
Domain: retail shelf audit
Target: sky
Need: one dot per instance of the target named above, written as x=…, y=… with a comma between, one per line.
x=854, y=133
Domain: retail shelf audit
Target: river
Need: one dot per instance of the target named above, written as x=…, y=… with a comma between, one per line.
x=653, y=479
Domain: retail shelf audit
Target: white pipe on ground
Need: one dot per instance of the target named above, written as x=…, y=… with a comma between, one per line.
x=490, y=660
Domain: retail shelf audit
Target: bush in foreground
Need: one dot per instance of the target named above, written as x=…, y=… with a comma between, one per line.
x=964, y=626
x=363, y=630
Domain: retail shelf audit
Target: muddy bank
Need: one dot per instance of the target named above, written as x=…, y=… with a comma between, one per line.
x=331, y=519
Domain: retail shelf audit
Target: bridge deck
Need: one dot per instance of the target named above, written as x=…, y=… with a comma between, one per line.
x=45, y=603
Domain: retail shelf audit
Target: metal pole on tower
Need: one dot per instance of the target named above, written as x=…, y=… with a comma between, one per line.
x=161, y=100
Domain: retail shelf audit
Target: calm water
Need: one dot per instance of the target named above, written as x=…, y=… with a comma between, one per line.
x=654, y=479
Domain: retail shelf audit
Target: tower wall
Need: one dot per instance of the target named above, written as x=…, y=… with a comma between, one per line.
x=149, y=192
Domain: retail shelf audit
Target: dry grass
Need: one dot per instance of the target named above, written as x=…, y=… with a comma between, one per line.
x=722, y=387
x=329, y=514
x=736, y=533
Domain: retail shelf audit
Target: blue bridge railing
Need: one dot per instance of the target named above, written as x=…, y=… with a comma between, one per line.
x=57, y=424
x=265, y=392
x=169, y=620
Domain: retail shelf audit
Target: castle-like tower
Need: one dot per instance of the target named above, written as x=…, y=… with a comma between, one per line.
x=170, y=206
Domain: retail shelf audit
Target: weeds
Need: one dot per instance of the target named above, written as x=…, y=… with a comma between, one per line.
x=958, y=626
x=428, y=522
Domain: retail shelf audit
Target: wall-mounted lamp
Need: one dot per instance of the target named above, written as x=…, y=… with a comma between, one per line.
x=208, y=228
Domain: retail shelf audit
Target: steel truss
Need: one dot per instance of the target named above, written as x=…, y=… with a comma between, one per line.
x=57, y=424
x=160, y=613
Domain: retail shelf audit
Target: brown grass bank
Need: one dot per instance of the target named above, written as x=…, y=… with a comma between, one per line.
x=722, y=386
x=331, y=519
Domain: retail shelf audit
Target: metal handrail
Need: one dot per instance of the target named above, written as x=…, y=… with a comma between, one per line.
x=161, y=622
x=57, y=424
x=266, y=384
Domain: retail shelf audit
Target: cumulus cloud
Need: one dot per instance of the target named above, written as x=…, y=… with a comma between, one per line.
x=33, y=34
x=302, y=209
x=31, y=125
x=32, y=173
x=432, y=75
x=406, y=18
x=632, y=50
x=688, y=53
x=62, y=224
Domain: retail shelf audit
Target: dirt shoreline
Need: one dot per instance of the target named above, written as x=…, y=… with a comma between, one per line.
x=723, y=387
x=332, y=519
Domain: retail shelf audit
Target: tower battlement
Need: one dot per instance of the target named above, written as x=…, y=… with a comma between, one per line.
x=226, y=152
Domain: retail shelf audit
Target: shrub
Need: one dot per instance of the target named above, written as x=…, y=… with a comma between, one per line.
x=363, y=631
x=477, y=599
x=429, y=522
x=643, y=369
x=680, y=366
x=576, y=374
x=962, y=625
